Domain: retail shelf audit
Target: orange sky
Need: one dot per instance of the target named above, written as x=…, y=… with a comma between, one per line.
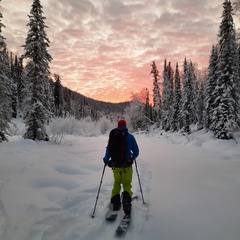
x=104, y=48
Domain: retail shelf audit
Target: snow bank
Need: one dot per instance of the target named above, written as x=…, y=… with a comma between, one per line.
x=191, y=185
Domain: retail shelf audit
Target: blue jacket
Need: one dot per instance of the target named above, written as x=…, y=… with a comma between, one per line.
x=132, y=147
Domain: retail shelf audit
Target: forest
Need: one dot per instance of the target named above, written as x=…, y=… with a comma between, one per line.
x=182, y=98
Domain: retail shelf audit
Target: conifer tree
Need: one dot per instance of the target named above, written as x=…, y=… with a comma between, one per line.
x=167, y=96
x=57, y=95
x=5, y=91
x=226, y=102
x=156, y=93
x=194, y=95
x=187, y=111
x=13, y=86
x=18, y=69
x=38, y=91
x=210, y=86
x=156, y=89
x=20, y=85
x=199, y=112
x=177, y=120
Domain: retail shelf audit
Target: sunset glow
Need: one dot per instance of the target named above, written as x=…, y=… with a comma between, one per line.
x=104, y=49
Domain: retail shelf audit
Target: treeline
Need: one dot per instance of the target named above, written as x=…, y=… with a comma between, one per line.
x=66, y=102
x=212, y=101
x=28, y=91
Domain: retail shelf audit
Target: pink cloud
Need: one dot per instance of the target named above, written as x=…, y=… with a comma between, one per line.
x=103, y=47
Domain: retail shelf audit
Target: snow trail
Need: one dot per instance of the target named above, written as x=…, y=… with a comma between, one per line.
x=191, y=188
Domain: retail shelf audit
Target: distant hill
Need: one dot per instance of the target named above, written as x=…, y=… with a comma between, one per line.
x=77, y=102
x=107, y=106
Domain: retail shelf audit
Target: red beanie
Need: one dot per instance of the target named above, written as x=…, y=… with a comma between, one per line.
x=122, y=123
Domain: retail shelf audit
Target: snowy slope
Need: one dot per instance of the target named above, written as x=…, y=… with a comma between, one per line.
x=191, y=186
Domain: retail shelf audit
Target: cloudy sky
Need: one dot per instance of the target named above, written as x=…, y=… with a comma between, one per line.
x=104, y=48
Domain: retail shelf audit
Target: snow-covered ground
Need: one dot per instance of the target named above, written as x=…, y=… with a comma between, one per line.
x=191, y=187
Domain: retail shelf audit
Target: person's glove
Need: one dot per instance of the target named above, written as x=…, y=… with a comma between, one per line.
x=110, y=163
x=130, y=161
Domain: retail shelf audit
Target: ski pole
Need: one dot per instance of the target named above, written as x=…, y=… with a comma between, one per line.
x=139, y=181
x=93, y=214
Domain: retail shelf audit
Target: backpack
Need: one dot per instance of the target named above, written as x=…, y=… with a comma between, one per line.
x=118, y=147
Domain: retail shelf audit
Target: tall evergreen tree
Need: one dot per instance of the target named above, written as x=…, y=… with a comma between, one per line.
x=199, y=112
x=210, y=86
x=39, y=94
x=236, y=5
x=177, y=100
x=226, y=112
x=156, y=89
x=5, y=91
x=20, y=85
x=187, y=111
x=13, y=86
x=58, y=95
x=156, y=93
x=17, y=76
x=194, y=95
x=167, y=96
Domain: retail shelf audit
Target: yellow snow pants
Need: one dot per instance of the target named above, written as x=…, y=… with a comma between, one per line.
x=122, y=176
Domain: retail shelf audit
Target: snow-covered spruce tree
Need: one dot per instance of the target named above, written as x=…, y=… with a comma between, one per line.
x=18, y=69
x=195, y=84
x=226, y=102
x=199, y=111
x=177, y=99
x=167, y=96
x=236, y=5
x=58, y=95
x=13, y=87
x=156, y=89
x=39, y=97
x=156, y=93
x=187, y=111
x=209, y=87
x=5, y=91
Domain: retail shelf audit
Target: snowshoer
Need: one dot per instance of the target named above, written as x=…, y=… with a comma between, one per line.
x=121, y=151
